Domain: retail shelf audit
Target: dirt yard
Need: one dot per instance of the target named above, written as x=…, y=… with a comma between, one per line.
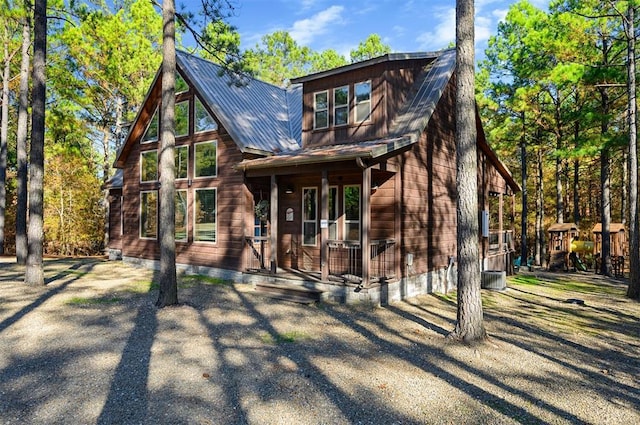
x=91, y=348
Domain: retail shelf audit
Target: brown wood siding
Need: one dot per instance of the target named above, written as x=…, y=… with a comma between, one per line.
x=227, y=251
x=390, y=83
x=429, y=192
x=115, y=211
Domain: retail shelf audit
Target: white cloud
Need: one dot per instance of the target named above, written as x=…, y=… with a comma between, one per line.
x=306, y=30
x=443, y=34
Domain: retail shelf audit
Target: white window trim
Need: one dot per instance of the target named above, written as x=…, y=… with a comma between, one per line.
x=195, y=233
x=196, y=131
x=344, y=211
x=315, y=221
x=121, y=215
x=340, y=106
x=140, y=165
x=316, y=110
x=188, y=165
x=356, y=103
x=187, y=101
x=186, y=235
x=140, y=216
x=195, y=156
x=144, y=142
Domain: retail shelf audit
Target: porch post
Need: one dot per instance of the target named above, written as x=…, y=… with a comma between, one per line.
x=273, y=240
x=365, y=224
x=324, y=230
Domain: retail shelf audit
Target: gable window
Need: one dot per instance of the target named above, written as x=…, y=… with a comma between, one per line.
x=182, y=162
x=333, y=212
x=341, y=106
x=204, y=121
x=205, y=159
x=181, y=215
x=204, y=229
x=182, y=118
x=321, y=110
x=152, y=131
x=149, y=166
x=363, y=101
x=352, y=213
x=309, y=215
x=149, y=215
x=181, y=84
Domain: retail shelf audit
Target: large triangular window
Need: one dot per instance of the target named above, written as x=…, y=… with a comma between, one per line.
x=204, y=120
x=151, y=134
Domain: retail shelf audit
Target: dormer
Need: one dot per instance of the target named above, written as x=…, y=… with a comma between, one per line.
x=359, y=102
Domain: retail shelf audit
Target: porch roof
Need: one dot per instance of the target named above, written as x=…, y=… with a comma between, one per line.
x=345, y=152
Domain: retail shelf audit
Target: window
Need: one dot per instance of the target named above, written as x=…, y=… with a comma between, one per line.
x=181, y=215
x=149, y=215
x=205, y=159
x=363, y=101
x=333, y=212
x=321, y=110
x=182, y=118
x=182, y=162
x=149, y=166
x=151, y=133
x=181, y=84
x=341, y=106
x=204, y=121
x=352, y=213
x=205, y=215
x=309, y=214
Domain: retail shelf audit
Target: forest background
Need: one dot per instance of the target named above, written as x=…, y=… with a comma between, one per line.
x=551, y=91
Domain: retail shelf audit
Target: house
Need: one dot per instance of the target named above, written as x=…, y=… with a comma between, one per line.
x=344, y=181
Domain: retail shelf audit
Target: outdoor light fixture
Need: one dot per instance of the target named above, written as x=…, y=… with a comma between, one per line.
x=289, y=190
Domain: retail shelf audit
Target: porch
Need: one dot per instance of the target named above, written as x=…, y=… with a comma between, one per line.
x=344, y=260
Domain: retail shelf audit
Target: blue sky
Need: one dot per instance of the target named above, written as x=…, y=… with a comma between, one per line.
x=405, y=25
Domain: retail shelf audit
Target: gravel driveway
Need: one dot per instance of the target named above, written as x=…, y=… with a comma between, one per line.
x=91, y=348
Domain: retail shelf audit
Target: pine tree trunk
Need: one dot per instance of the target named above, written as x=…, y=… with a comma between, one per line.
x=633, y=291
x=470, y=324
x=34, y=274
x=605, y=209
x=4, y=127
x=524, y=252
x=168, y=282
x=540, y=239
x=21, y=142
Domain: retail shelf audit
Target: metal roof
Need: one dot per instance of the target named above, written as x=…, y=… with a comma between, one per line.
x=331, y=153
x=415, y=114
x=613, y=228
x=256, y=114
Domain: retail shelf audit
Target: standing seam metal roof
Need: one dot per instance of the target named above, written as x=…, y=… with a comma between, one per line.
x=256, y=114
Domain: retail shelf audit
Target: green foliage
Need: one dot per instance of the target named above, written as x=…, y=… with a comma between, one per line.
x=370, y=48
x=92, y=301
x=284, y=338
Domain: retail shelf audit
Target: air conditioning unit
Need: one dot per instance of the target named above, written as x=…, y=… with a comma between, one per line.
x=493, y=279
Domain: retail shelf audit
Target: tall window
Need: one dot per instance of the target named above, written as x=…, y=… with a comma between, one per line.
x=204, y=121
x=352, y=213
x=149, y=166
x=333, y=212
x=363, y=101
x=205, y=159
x=204, y=229
x=309, y=215
x=182, y=162
x=181, y=215
x=321, y=109
x=151, y=133
x=182, y=118
x=149, y=215
x=341, y=106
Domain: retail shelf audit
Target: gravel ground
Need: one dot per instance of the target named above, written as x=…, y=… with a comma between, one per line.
x=91, y=348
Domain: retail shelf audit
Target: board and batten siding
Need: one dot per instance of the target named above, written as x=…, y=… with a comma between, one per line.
x=429, y=192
